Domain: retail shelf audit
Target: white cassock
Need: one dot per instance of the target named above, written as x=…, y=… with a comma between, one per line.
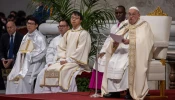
x=74, y=48
x=52, y=49
x=29, y=62
x=103, y=62
x=117, y=81
x=128, y=65
x=50, y=54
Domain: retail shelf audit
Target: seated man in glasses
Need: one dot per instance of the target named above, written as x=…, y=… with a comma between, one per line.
x=51, y=52
x=71, y=59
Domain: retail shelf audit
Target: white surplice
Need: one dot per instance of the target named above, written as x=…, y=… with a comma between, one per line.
x=108, y=49
x=52, y=49
x=50, y=55
x=102, y=61
x=117, y=78
x=27, y=65
x=73, y=48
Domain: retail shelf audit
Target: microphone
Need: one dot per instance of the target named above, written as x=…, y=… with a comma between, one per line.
x=123, y=26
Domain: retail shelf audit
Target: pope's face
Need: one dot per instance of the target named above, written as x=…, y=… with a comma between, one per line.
x=133, y=16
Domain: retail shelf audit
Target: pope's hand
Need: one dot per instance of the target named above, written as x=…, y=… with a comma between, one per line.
x=125, y=41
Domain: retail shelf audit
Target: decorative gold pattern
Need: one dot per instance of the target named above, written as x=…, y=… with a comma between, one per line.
x=70, y=78
x=157, y=12
x=56, y=74
x=132, y=55
x=79, y=62
x=27, y=46
x=163, y=61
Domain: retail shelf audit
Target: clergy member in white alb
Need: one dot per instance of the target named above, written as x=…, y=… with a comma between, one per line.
x=107, y=50
x=71, y=60
x=128, y=65
x=29, y=62
x=63, y=27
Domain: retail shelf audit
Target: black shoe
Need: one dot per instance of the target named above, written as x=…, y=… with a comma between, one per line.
x=128, y=96
x=112, y=95
x=148, y=94
x=98, y=91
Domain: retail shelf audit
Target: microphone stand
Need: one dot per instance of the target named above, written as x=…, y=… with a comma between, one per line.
x=96, y=68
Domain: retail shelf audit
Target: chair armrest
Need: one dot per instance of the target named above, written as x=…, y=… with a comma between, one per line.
x=161, y=44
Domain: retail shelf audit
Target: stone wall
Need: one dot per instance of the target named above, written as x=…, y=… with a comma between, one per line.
x=145, y=6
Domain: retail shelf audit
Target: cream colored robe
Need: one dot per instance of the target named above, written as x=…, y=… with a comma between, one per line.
x=141, y=43
x=74, y=48
x=140, y=47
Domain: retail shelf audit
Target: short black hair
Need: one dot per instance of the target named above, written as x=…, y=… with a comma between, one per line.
x=33, y=19
x=78, y=14
x=120, y=6
x=11, y=16
x=67, y=22
x=21, y=13
x=13, y=12
x=2, y=15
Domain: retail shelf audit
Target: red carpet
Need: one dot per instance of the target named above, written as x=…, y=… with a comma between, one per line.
x=74, y=96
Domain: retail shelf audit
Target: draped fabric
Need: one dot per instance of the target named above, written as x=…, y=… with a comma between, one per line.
x=74, y=47
x=52, y=49
x=131, y=70
x=109, y=51
x=140, y=47
x=29, y=62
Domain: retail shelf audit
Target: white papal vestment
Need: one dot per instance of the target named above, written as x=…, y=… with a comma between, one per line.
x=128, y=65
x=29, y=62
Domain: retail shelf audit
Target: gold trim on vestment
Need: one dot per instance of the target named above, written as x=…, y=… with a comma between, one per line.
x=77, y=30
x=71, y=77
x=66, y=36
x=163, y=61
x=132, y=55
x=61, y=48
x=26, y=48
x=78, y=39
x=79, y=62
x=52, y=74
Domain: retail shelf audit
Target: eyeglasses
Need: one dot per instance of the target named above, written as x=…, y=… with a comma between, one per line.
x=76, y=18
x=30, y=23
x=62, y=26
